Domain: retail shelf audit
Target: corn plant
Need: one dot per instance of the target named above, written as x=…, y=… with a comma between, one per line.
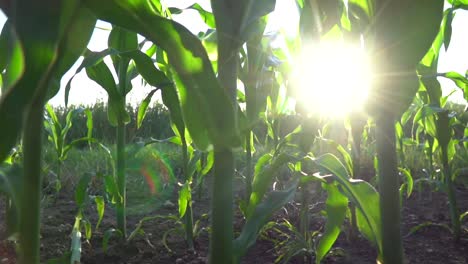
x=192, y=164
x=401, y=48
x=207, y=122
x=123, y=48
x=57, y=135
x=81, y=222
x=45, y=39
x=396, y=44
x=341, y=188
x=253, y=75
x=438, y=121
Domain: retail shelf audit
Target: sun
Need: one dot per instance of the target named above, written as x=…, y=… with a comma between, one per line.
x=332, y=79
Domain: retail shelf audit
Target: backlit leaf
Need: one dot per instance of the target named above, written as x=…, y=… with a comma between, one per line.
x=143, y=106
x=362, y=194
x=337, y=204
x=208, y=113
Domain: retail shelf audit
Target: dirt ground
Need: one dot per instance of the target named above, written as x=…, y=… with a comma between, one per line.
x=429, y=244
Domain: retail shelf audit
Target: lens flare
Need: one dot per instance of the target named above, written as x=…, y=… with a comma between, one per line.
x=157, y=172
x=332, y=79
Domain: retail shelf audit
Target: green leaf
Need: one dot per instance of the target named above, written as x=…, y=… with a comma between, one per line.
x=81, y=189
x=111, y=189
x=116, y=111
x=11, y=56
x=89, y=123
x=347, y=159
x=158, y=79
x=448, y=28
x=262, y=212
x=337, y=204
x=409, y=181
x=75, y=142
x=55, y=129
x=361, y=10
x=101, y=74
x=143, y=106
x=407, y=39
x=107, y=236
x=462, y=4
x=38, y=28
x=121, y=40
x=444, y=132
x=206, y=16
x=209, y=163
x=185, y=197
x=362, y=194
x=73, y=44
x=90, y=59
x=171, y=101
x=430, y=60
x=460, y=80
x=263, y=177
x=146, y=68
x=208, y=113
x=253, y=13
x=99, y=200
x=87, y=227
x=175, y=140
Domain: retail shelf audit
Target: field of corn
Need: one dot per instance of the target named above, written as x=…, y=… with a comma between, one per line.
x=259, y=147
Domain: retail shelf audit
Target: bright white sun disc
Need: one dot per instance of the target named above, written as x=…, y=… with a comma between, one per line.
x=332, y=79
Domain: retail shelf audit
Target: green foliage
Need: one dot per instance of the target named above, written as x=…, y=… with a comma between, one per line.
x=208, y=114
x=203, y=115
x=155, y=124
x=362, y=194
x=337, y=205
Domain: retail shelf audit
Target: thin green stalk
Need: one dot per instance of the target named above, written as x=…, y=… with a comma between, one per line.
x=188, y=217
x=454, y=213
x=357, y=127
x=222, y=213
x=221, y=242
x=121, y=181
x=276, y=131
x=431, y=156
x=29, y=220
x=200, y=182
x=121, y=177
x=58, y=184
x=304, y=218
x=392, y=246
x=248, y=166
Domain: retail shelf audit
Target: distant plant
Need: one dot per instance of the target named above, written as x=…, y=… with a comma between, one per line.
x=58, y=136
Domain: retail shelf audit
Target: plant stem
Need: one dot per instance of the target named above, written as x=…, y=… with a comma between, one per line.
x=357, y=127
x=29, y=220
x=201, y=179
x=58, y=184
x=121, y=181
x=392, y=246
x=454, y=214
x=221, y=250
x=304, y=218
x=221, y=242
x=188, y=217
x=121, y=178
x=248, y=166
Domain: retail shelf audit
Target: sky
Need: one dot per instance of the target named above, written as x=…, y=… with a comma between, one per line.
x=87, y=92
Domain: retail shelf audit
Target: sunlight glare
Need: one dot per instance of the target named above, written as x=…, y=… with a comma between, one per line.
x=332, y=79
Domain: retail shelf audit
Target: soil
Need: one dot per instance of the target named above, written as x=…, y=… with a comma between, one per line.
x=429, y=244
